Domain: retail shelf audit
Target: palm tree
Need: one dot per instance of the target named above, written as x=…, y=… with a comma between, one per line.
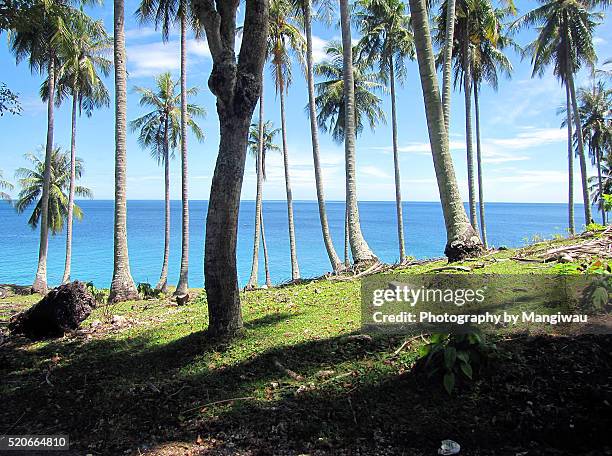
x=462, y=240
x=258, y=149
x=122, y=285
x=305, y=7
x=386, y=39
x=487, y=59
x=285, y=39
x=359, y=247
x=31, y=181
x=602, y=186
x=83, y=45
x=160, y=131
x=565, y=41
x=164, y=13
x=595, y=111
x=32, y=40
x=331, y=107
x=5, y=185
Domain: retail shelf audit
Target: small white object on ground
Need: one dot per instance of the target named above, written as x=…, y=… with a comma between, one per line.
x=449, y=447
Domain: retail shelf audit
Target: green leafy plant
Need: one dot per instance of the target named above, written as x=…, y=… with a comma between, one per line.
x=146, y=291
x=594, y=227
x=453, y=357
x=98, y=294
x=607, y=202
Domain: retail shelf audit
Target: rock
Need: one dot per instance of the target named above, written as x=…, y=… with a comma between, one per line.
x=95, y=324
x=502, y=247
x=63, y=309
x=118, y=320
x=565, y=258
x=183, y=299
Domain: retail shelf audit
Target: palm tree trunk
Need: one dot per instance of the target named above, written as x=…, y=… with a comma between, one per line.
x=570, y=161
x=162, y=285
x=398, y=192
x=314, y=133
x=359, y=247
x=347, y=259
x=265, y=250
x=122, y=286
x=583, y=166
x=448, y=61
x=252, y=283
x=40, y=282
x=462, y=240
x=182, y=287
x=600, y=185
x=483, y=226
x=66, y=277
x=467, y=90
x=295, y=269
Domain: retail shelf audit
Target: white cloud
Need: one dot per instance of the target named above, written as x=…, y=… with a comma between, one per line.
x=599, y=40
x=373, y=171
x=318, y=49
x=152, y=58
x=531, y=137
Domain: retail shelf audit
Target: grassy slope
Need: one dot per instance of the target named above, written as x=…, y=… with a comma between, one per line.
x=151, y=382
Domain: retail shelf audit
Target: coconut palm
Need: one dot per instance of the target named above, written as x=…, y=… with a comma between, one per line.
x=285, y=39
x=565, y=42
x=331, y=108
x=266, y=144
x=164, y=13
x=359, y=247
x=83, y=45
x=31, y=181
x=32, y=40
x=595, y=107
x=122, y=286
x=5, y=185
x=602, y=186
x=387, y=41
x=160, y=131
x=305, y=7
x=462, y=240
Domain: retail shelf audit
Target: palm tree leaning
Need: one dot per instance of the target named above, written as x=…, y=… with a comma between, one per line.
x=387, y=40
x=258, y=149
x=165, y=13
x=359, y=247
x=565, y=41
x=5, y=185
x=83, y=45
x=462, y=240
x=31, y=181
x=32, y=40
x=285, y=39
x=305, y=6
x=160, y=131
x=122, y=285
x=595, y=106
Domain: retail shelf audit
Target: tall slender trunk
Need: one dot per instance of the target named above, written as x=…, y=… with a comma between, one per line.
x=588, y=218
x=347, y=258
x=252, y=283
x=295, y=269
x=359, y=247
x=462, y=240
x=265, y=250
x=314, y=133
x=40, y=282
x=66, y=278
x=182, y=288
x=398, y=191
x=467, y=91
x=570, y=161
x=162, y=285
x=448, y=62
x=600, y=185
x=483, y=226
x=122, y=286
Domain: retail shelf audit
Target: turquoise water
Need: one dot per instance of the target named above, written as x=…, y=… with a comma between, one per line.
x=509, y=224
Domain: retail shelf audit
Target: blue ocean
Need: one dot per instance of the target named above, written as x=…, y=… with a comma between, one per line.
x=509, y=224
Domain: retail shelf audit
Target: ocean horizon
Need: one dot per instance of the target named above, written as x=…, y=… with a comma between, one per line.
x=508, y=224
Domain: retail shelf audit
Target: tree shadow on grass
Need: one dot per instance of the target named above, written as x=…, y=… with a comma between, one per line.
x=114, y=395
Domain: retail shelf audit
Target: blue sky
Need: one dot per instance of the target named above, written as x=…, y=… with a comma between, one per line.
x=524, y=148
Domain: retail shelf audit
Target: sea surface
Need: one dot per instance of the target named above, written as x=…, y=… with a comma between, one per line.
x=509, y=224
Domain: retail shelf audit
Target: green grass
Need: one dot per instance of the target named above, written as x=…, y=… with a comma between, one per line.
x=153, y=379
